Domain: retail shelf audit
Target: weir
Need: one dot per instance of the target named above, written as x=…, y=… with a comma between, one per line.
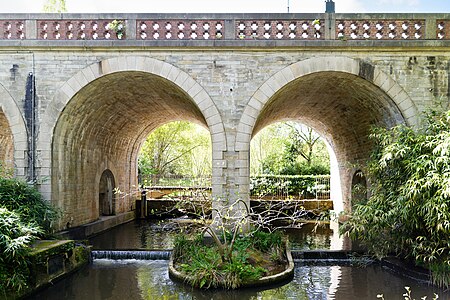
x=131, y=254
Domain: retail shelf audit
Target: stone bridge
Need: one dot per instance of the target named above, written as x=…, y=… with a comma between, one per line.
x=78, y=98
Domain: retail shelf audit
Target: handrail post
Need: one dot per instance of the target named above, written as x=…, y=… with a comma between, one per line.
x=143, y=204
x=430, y=28
x=130, y=29
x=330, y=26
x=31, y=32
x=230, y=30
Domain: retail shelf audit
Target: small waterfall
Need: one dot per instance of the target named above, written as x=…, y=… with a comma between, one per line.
x=131, y=254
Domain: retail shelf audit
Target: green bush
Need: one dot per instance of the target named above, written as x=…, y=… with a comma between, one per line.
x=304, y=186
x=15, y=238
x=24, y=217
x=25, y=200
x=305, y=169
x=206, y=268
x=408, y=212
x=264, y=241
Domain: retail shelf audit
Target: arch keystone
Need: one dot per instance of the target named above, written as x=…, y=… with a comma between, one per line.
x=105, y=66
x=131, y=62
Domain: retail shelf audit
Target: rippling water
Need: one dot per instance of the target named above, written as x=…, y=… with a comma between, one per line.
x=132, y=279
x=137, y=279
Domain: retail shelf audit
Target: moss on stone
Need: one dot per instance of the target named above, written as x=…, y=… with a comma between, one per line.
x=47, y=248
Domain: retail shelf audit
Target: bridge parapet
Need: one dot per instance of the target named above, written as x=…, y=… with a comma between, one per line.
x=195, y=27
x=443, y=29
x=381, y=29
x=12, y=29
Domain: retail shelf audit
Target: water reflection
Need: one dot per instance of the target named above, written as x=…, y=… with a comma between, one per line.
x=139, y=234
x=107, y=279
x=144, y=234
x=335, y=279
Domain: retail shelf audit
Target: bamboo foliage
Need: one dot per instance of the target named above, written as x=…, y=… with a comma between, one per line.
x=409, y=211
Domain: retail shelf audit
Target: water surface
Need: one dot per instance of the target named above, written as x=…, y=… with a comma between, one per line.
x=132, y=279
x=159, y=235
x=138, y=279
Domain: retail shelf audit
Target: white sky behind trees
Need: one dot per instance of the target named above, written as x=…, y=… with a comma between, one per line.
x=229, y=6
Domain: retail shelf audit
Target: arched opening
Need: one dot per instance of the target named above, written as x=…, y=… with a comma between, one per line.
x=103, y=127
x=106, y=195
x=6, y=144
x=289, y=148
x=177, y=153
x=289, y=161
x=342, y=107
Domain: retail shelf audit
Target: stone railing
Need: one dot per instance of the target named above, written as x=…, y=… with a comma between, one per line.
x=280, y=29
x=12, y=29
x=179, y=29
x=75, y=30
x=443, y=29
x=173, y=27
x=380, y=29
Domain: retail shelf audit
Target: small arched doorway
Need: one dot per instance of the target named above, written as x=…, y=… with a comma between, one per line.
x=106, y=194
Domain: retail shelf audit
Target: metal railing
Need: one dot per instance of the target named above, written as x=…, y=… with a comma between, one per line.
x=175, y=181
x=261, y=186
x=290, y=187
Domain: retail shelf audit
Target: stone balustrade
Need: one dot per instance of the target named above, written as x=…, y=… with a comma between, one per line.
x=12, y=29
x=280, y=29
x=380, y=29
x=75, y=30
x=179, y=29
x=443, y=29
x=225, y=26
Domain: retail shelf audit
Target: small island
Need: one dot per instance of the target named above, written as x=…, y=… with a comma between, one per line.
x=255, y=259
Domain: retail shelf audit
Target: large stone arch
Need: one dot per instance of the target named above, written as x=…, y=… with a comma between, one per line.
x=72, y=99
x=392, y=100
x=13, y=135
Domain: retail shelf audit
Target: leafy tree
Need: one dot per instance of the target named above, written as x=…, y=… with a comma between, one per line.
x=408, y=212
x=5, y=171
x=176, y=148
x=301, y=143
x=54, y=6
x=289, y=148
x=265, y=146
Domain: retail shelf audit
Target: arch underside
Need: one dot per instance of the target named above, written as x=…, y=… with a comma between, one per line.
x=342, y=107
x=6, y=143
x=103, y=127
